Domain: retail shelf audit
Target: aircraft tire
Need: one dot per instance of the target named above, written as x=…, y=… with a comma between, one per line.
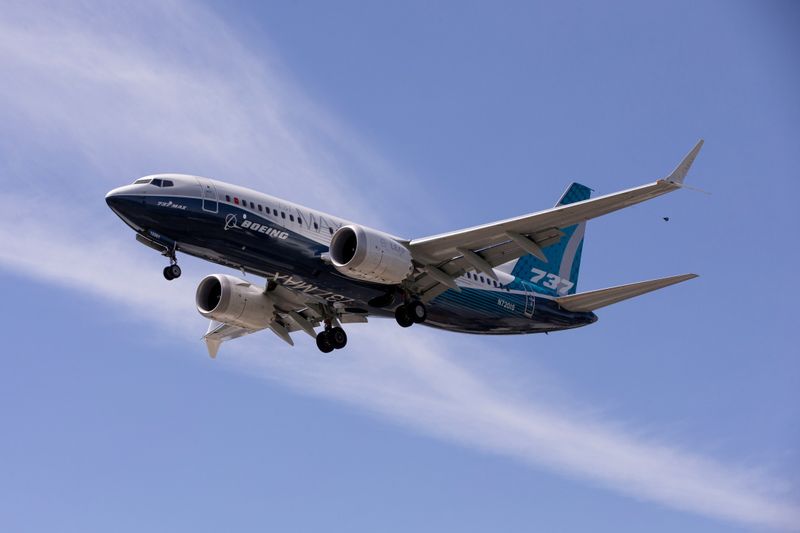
x=168, y=274
x=338, y=338
x=175, y=270
x=324, y=342
x=403, y=317
x=417, y=312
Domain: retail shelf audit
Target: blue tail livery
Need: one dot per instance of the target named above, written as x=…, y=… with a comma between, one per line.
x=563, y=259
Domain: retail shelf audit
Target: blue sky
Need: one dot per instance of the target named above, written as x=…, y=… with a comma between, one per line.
x=676, y=411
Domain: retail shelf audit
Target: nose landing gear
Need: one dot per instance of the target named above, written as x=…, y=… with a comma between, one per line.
x=172, y=271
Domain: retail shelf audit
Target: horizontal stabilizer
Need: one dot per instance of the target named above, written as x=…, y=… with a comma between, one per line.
x=589, y=301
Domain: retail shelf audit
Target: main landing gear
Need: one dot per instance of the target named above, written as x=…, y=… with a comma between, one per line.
x=330, y=339
x=410, y=313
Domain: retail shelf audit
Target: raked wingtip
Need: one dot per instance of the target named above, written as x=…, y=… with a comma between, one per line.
x=679, y=174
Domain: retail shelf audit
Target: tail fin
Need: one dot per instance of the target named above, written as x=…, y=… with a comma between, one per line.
x=559, y=274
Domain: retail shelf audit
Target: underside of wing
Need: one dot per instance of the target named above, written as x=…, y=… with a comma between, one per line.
x=289, y=311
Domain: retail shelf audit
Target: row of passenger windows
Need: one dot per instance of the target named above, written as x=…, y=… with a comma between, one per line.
x=266, y=210
x=485, y=280
x=158, y=182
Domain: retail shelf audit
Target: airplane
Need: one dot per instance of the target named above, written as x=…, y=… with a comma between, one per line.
x=514, y=276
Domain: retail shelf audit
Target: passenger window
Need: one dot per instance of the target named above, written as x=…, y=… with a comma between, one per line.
x=291, y=217
x=482, y=281
x=236, y=200
x=259, y=207
x=299, y=220
x=227, y=198
x=316, y=226
x=156, y=182
x=252, y=205
x=330, y=230
x=283, y=214
x=275, y=212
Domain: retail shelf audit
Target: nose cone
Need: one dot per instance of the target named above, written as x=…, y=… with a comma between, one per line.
x=114, y=197
x=126, y=202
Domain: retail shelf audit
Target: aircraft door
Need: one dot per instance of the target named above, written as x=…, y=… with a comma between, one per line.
x=209, y=192
x=530, y=301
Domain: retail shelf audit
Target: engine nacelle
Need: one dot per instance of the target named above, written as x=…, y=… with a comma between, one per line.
x=366, y=254
x=234, y=301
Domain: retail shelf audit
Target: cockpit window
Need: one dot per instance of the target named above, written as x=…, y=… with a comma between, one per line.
x=141, y=181
x=156, y=182
x=166, y=183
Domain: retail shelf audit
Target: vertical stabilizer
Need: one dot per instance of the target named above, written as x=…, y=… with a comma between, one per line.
x=559, y=274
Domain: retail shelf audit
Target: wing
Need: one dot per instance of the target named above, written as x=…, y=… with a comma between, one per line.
x=445, y=257
x=294, y=311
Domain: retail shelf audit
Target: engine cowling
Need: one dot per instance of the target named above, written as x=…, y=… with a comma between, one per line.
x=369, y=255
x=234, y=301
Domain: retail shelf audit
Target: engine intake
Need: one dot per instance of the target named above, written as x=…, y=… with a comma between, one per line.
x=369, y=255
x=234, y=301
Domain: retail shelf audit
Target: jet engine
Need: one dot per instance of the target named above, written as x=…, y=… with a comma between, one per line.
x=368, y=255
x=234, y=301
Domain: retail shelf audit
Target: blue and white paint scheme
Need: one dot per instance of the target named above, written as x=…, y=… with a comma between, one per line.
x=513, y=276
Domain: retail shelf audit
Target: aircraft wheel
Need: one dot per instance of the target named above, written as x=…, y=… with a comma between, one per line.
x=338, y=338
x=324, y=342
x=403, y=317
x=175, y=270
x=168, y=274
x=417, y=312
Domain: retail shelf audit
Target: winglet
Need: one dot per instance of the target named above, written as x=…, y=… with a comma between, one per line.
x=213, y=347
x=682, y=169
x=212, y=343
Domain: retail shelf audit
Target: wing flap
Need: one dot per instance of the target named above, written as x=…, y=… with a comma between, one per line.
x=589, y=301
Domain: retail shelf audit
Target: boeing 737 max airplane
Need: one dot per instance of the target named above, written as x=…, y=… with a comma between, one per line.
x=517, y=275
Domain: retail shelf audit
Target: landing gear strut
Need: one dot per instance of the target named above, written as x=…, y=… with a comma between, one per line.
x=413, y=312
x=173, y=270
x=331, y=339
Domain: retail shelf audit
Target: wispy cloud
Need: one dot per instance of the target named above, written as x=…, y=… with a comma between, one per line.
x=143, y=88
x=115, y=95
